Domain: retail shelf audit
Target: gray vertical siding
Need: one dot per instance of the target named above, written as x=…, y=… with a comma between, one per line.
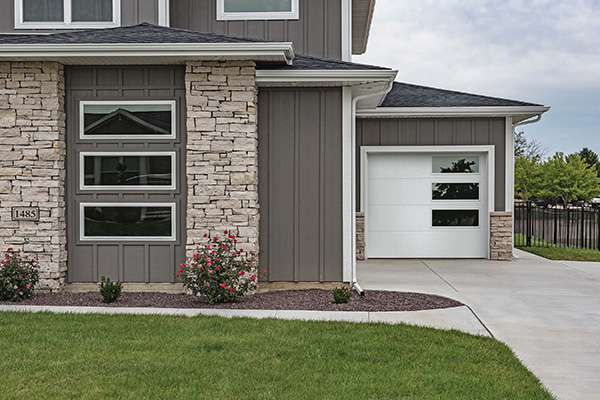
x=127, y=261
x=318, y=31
x=438, y=132
x=300, y=184
x=132, y=12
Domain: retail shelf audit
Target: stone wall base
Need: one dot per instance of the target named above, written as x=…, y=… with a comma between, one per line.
x=501, y=236
x=360, y=236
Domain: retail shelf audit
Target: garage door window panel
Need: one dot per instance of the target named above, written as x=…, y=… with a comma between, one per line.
x=455, y=218
x=455, y=191
x=459, y=164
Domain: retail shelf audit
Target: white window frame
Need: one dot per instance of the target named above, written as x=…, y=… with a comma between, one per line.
x=237, y=16
x=84, y=238
x=83, y=186
x=67, y=22
x=172, y=136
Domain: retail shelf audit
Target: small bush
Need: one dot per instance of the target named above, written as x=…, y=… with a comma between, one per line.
x=18, y=277
x=219, y=272
x=110, y=291
x=342, y=295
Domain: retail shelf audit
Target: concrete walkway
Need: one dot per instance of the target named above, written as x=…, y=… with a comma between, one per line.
x=460, y=318
x=548, y=312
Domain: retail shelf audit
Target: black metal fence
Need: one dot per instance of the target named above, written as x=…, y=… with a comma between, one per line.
x=546, y=226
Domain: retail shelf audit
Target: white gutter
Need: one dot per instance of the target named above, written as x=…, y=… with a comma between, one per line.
x=400, y=112
x=358, y=76
x=277, y=51
x=355, y=100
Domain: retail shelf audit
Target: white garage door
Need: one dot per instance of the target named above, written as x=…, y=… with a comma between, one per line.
x=426, y=206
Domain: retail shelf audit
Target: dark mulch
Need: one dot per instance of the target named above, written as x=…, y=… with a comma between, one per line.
x=313, y=299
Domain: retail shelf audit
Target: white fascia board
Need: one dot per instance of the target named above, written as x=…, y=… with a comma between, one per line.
x=404, y=112
x=277, y=51
x=358, y=76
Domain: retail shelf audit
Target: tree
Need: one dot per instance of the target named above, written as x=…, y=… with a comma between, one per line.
x=528, y=148
x=590, y=158
x=569, y=178
x=528, y=172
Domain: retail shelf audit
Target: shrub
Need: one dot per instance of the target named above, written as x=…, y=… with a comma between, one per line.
x=342, y=295
x=219, y=272
x=110, y=291
x=18, y=277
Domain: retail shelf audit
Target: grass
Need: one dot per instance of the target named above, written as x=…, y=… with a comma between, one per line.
x=553, y=252
x=47, y=356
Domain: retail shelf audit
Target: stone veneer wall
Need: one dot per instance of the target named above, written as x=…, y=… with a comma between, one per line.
x=360, y=236
x=222, y=151
x=32, y=164
x=501, y=227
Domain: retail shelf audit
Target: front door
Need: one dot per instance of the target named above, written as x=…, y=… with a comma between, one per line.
x=126, y=194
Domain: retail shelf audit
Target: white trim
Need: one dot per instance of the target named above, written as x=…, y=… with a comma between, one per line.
x=323, y=75
x=67, y=22
x=509, y=204
x=246, y=16
x=171, y=238
x=475, y=150
x=164, y=18
x=348, y=206
x=74, y=54
x=171, y=103
x=347, y=30
x=83, y=186
x=452, y=111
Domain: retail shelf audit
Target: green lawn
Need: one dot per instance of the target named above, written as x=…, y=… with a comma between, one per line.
x=46, y=356
x=553, y=252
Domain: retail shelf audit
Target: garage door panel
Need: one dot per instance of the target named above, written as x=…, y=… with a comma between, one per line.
x=398, y=218
x=389, y=166
x=399, y=191
x=436, y=244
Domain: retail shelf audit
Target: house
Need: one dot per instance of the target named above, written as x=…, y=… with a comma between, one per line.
x=132, y=127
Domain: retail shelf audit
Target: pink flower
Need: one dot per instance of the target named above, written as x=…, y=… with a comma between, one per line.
x=207, y=246
x=235, y=253
x=216, y=239
x=196, y=255
x=210, y=271
x=20, y=293
x=225, y=247
x=209, y=264
x=207, y=283
x=180, y=271
x=27, y=286
x=177, y=274
x=208, y=259
x=182, y=265
x=226, y=232
x=266, y=271
x=234, y=240
x=241, y=250
x=222, y=285
x=252, y=278
x=218, y=269
x=205, y=235
x=3, y=262
x=214, y=252
x=16, y=287
x=230, y=289
x=9, y=249
x=242, y=273
x=199, y=265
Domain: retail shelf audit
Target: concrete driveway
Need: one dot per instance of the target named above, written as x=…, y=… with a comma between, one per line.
x=548, y=312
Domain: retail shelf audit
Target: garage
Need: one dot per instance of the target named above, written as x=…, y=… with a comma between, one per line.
x=421, y=204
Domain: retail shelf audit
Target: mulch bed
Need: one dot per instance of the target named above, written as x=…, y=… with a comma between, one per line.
x=313, y=299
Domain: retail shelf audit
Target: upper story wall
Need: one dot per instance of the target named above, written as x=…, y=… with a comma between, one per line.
x=132, y=12
x=317, y=32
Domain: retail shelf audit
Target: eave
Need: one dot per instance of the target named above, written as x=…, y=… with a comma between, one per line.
x=519, y=113
x=362, y=16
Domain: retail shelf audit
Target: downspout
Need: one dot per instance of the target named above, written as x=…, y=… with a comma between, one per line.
x=527, y=122
x=355, y=101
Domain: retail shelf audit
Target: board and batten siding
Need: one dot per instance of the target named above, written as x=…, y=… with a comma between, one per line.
x=437, y=132
x=133, y=12
x=300, y=184
x=318, y=31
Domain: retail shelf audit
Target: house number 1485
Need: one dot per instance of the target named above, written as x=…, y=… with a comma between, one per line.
x=25, y=214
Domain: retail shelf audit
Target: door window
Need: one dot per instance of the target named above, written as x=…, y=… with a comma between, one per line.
x=458, y=164
x=455, y=218
x=455, y=191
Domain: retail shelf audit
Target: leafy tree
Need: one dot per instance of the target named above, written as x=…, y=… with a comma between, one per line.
x=569, y=178
x=528, y=148
x=590, y=158
x=528, y=177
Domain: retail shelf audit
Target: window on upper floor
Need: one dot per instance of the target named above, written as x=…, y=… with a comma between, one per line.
x=257, y=9
x=64, y=14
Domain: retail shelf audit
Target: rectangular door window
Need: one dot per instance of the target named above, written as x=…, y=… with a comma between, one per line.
x=127, y=120
x=458, y=164
x=135, y=171
x=455, y=191
x=455, y=218
x=123, y=221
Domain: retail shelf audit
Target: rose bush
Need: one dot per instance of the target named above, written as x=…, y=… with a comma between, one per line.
x=18, y=277
x=219, y=272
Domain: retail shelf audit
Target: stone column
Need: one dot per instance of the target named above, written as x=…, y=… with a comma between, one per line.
x=501, y=244
x=222, y=151
x=32, y=164
x=360, y=236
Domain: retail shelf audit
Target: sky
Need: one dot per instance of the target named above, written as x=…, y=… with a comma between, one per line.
x=540, y=51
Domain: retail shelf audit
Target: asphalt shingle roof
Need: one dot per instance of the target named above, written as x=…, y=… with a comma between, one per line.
x=407, y=95
x=310, y=62
x=142, y=33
